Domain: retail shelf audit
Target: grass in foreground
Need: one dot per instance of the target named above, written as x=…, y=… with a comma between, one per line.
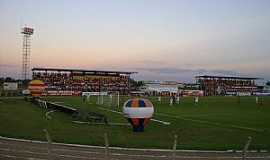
x=216, y=123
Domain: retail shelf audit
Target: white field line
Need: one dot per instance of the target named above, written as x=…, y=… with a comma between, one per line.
x=113, y=124
x=59, y=102
x=163, y=122
x=212, y=123
x=152, y=119
x=120, y=148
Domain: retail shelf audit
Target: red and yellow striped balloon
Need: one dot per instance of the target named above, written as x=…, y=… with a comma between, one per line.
x=36, y=88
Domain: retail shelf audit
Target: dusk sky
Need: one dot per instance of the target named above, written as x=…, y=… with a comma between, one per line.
x=160, y=39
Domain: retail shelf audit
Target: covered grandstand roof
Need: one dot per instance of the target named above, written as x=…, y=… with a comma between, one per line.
x=228, y=77
x=94, y=72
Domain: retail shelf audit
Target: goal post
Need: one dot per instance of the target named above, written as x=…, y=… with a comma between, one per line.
x=112, y=99
x=94, y=97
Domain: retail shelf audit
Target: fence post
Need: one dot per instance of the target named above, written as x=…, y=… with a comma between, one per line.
x=174, y=146
x=49, y=140
x=45, y=104
x=48, y=117
x=118, y=100
x=102, y=99
x=244, y=153
x=261, y=100
x=106, y=146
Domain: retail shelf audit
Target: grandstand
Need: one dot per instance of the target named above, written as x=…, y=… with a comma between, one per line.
x=220, y=85
x=74, y=81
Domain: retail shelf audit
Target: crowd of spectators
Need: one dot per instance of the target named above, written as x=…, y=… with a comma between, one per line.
x=56, y=81
x=214, y=87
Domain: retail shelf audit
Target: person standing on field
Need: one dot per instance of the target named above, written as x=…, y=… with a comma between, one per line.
x=171, y=101
x=196, y=100
x=178, y=99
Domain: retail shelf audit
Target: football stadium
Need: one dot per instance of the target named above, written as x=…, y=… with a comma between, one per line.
x=134, y=80
x=81, y=106
x=217, y=116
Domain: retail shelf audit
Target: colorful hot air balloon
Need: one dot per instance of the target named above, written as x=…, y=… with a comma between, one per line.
x=36, y=88
x=138, y=111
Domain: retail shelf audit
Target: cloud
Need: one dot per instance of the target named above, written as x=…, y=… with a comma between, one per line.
x=179, y=74
x=9, y=70
x=164, y=70
x=225, y=72
x=186, y=70
x=8, y=66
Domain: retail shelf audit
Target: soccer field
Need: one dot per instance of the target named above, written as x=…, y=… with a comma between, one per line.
x=215, y=123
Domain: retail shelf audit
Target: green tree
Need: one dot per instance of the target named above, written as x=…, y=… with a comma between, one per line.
x=136, y=84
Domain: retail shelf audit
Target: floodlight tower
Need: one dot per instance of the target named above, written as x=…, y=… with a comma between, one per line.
x=27, y=32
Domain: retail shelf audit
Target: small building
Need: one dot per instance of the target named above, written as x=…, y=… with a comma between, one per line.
x=161, y=87
x=10, y=86
x=190, y=89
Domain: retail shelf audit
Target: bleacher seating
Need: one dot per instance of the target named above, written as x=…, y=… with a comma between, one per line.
x=69, y=81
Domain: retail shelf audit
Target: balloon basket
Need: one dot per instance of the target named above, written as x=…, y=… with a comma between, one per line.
x=138, y=129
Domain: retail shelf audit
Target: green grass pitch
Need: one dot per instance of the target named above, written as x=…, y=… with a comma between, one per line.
x=215, y=123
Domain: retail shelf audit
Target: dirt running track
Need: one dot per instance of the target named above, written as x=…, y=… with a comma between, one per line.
x=11, y=149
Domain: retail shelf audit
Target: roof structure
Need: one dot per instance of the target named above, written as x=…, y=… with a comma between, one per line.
x=92, y=72
x=228, y=77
